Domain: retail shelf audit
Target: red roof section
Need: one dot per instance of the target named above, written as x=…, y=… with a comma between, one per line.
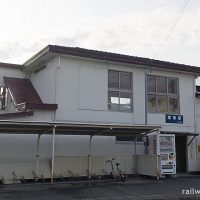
x=25, y=95
x=22, y=90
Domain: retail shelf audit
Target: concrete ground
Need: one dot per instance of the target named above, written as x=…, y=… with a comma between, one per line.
x=172, y=188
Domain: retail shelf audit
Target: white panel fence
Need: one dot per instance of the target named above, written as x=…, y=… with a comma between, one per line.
x=13, y=170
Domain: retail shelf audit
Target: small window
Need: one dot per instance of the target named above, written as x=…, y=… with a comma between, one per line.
x=128, y=138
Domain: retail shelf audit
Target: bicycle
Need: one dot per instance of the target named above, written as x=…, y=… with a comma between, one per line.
x=116, y=174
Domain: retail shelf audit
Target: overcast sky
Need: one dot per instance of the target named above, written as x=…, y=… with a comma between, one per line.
x=133, y=27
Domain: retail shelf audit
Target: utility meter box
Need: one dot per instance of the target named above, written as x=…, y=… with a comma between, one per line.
x=163, y=145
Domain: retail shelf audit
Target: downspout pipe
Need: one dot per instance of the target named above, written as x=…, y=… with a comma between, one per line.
x=146, y=101
x=56, y=85
x=195, y=119
x=53, y=156
x=37, y=156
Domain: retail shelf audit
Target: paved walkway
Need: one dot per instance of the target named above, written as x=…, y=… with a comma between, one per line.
x=135, y=189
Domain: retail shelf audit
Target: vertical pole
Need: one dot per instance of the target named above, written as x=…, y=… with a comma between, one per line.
x=89, y=158
x=158, y=161
x=146, y=100
x=37, y=157
x=135, y=156
x=53, y=152
x=158, y=166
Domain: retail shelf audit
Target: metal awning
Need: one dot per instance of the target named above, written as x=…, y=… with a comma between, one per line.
x=16, y=127
x=58, y=128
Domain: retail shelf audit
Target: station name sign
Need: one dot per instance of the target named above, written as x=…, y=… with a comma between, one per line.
x=175, y=119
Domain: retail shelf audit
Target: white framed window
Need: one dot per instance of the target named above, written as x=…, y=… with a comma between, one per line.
x=163, y=94
x=120, y=95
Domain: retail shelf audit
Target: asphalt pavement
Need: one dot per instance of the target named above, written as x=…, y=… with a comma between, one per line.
x=133, y=189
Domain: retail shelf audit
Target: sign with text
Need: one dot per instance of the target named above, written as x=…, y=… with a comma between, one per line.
x=175, y=119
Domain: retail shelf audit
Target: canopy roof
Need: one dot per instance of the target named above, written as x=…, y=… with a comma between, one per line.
x=14, y=127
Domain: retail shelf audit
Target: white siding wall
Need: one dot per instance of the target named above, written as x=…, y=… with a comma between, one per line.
x=44, y=81
x=82, y=91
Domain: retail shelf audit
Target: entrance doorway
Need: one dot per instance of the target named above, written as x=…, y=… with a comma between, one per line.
x=181, y=142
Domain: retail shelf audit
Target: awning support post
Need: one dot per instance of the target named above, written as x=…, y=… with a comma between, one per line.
x=53, y=154
x=158, y=169
x=37, y=156
x=90, y=158
x=135, y=156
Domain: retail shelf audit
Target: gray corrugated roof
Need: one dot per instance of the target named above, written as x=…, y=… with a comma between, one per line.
x=113, y=57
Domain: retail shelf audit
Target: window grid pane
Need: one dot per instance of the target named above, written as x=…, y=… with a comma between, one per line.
x=173, y=104
x=113, y=100
x=161, y=83
x=125, y=80
x=113, y=79
x=151, y=86
x=125, y=101
x=173, y=86
x=162, y=104
x=152, y=103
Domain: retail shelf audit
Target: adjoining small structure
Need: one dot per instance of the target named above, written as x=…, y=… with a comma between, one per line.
x=67, y=110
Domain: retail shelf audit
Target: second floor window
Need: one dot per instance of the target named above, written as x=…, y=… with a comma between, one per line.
x=120, y=93
x=163, y=94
